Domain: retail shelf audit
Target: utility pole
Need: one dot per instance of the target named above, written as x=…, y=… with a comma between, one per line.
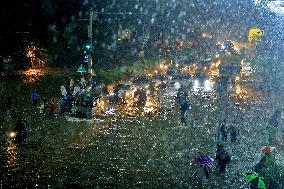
x=90, y=64
x=90, y=33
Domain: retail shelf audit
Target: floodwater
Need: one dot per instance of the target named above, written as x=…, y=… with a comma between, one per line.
x=152, y=151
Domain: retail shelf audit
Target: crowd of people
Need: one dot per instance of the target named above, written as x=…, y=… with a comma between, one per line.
x=69, y=90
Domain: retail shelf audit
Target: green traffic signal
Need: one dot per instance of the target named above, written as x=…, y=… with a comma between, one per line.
x=88, y=47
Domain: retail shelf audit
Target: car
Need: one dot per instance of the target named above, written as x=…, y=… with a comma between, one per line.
x=123, y=92
x=232, y=86
x=226, y=85
x=177, y=77
x=145, y=83
x=201, y=82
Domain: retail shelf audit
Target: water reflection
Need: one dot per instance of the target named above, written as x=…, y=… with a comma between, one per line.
x=32, y=75
x=12, y=156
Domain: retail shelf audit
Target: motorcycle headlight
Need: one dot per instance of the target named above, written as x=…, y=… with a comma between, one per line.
x=207, y=85
x=196, y=85
x=12, y=134
x=177, y=85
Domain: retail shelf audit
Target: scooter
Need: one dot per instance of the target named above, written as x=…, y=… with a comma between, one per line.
x=18, y=136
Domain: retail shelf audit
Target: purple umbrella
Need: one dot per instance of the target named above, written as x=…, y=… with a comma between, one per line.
x=204, y=160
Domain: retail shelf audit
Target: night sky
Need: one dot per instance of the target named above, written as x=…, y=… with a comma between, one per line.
x=29, y=19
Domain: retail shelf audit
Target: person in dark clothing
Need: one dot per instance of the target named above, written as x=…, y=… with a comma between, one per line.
x=140, y=97
x=184, y=104
x=274, y=120
x=223, y=131
x=52, y=105
x=180, y=96
x=69, y=103
x=233, y=134
x=183, y=109
x=21, y=130
x=63, y=105
x=222, y=158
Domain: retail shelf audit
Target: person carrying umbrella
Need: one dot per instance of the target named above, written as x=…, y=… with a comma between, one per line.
x=203, y=173
x=267, y=171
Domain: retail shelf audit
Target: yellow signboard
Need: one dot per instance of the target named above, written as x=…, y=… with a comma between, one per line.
x=255, y=34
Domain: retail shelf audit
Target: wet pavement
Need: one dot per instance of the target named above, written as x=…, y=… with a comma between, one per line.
x=149, y=151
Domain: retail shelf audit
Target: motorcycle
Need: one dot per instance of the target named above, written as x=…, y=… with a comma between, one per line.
x=19, y=134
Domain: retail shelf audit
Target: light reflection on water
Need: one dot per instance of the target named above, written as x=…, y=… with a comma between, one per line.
x=12, y=156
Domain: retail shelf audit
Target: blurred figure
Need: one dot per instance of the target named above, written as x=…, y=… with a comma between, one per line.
x=52, y=105
x=203, y=174
x=221, y=131
x=267, y=167
x=76, y=91
x=43, y=106
x=22, y=131
x=67, y=85
x=63, y=91
x=140, y=96
x=35, y=98
x=63, y=105
x=83, y=82
x=222, y=158
x=69, y=103
x=8, y=104
x=71, y=84
x=184, y=104
x=233, y=132
x=183, y=108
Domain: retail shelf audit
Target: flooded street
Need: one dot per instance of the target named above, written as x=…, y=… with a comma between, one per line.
x=152, y=151
x=154, y=94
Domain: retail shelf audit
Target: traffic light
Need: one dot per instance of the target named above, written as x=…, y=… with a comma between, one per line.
x=88, y=47
x=87, y=56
